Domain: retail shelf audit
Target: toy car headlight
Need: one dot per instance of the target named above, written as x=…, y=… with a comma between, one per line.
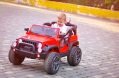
x=14, y=44
x=39, y=47
x=20, y=41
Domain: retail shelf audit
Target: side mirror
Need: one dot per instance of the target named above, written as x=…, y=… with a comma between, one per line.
x=26, y=29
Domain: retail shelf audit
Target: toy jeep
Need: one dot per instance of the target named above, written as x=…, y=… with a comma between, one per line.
x=45, y=42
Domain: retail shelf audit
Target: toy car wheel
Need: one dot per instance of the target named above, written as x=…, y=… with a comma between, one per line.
x=74, y=56
x=14, y=58
x=52, y=63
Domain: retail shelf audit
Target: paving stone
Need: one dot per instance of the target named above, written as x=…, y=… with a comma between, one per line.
x=30, y=76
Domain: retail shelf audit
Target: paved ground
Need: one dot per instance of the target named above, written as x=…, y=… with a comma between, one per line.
x=99, y=41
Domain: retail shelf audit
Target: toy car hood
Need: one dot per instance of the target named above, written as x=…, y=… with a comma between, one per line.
x=39, y=38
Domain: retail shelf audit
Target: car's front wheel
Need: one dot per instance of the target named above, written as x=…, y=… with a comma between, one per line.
x=74, y=56
x=15, y=58
x=52, y=63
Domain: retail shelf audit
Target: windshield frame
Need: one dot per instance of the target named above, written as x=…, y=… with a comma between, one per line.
x=44, y=26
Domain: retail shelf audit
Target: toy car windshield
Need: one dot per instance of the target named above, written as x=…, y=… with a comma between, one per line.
x=44, y=31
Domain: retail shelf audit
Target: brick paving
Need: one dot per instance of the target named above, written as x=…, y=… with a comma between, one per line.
x=100, y=48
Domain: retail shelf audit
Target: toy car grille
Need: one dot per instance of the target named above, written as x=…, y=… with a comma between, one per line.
x=30, y=42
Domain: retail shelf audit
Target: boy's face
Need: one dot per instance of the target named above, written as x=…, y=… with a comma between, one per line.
x=61, y=20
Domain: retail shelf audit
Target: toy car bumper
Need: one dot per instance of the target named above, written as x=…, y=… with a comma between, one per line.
x=29, y=51
x=26, y=53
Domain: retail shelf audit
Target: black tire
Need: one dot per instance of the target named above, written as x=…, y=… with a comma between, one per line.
x=52, y=63
x=74, y=56
x=14, y=58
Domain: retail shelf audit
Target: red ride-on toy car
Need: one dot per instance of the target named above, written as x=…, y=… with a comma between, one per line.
x=45, y=42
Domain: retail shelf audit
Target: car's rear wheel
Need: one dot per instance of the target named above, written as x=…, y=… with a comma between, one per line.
x=74, y=56
x=52, y=63
x=15, y=58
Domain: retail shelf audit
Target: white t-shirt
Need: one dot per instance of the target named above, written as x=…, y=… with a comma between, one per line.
x=63, y=29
